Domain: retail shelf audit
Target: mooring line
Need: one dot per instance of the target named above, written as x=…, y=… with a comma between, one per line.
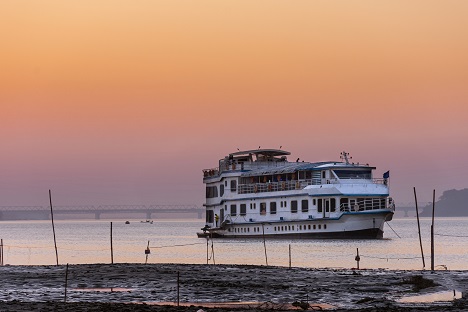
x=393, y=229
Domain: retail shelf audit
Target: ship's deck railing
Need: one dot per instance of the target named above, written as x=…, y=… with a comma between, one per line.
x=366, y=204
x=234, y=165
x=210, y=172
x=297, y=184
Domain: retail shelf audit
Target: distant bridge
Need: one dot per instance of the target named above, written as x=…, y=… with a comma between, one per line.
x=411, y=207
x=43, y=212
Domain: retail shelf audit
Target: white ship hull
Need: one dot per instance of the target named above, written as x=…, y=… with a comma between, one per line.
x=350, y=225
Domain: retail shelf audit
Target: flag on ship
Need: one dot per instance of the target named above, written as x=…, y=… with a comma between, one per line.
x=386, y=175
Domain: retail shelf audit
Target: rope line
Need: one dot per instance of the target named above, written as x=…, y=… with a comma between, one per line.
x=451, y=235
x=393, y=258
x=177, y=245
x=392, y=229
x=49, y=247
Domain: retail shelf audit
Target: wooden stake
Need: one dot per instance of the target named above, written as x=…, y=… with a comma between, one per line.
x=1, y=252
x=178, y=288
x=112, y=248
x=358, y=258
x=212, y=251
x=207, y=248
x=289, y=255
x=419, y=227
x=264, y=244
x=147, y=252
x=66, y=283
x=53, y=227
x=432, y=231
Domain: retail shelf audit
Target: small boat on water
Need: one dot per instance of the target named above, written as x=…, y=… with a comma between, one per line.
x=259, y=193
x=147, y=221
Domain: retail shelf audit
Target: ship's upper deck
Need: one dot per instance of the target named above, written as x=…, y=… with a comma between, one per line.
x=263, y=162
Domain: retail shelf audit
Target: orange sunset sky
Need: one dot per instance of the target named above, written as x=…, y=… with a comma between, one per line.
x=125, y=102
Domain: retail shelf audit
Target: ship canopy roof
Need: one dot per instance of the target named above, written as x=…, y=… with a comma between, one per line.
x=286, y=168
x=266, y=152
x=301, y=166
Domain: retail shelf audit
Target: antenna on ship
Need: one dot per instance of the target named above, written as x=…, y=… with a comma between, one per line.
x=344, y=156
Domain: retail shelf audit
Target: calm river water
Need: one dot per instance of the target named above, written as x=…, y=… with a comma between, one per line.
x=175, y=241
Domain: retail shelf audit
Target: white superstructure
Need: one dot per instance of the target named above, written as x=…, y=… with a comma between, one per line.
x=260, y=193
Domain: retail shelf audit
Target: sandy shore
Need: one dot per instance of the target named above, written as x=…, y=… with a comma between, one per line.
x=152, y=287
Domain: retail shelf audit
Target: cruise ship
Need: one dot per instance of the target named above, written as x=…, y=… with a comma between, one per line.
x=259, y=193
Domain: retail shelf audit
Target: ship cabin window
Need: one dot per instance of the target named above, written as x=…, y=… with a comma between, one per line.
x=320, y=226
x=263, y=209
x=233, y=210
x=314, y=202
x=233, y=185
x=354, y=174
x=305, y=205
x=211, y=191
x=315, y=226
x=344, y=204
x=225, y=207
x=272, y=207
x=281, y=204
x=209, y=216
x=309, y=226
x=323, y=174
x=332, y=204
x=293, y=206
x=221, y=215
x=324, y=226
x=319, y=205
x=225, y=183
x=243, y=209
x=221, y=190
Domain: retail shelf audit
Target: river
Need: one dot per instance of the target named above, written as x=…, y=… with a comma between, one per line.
x=175, y=241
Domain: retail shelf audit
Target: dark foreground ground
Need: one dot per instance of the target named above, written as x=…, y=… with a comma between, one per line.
x=138, y=287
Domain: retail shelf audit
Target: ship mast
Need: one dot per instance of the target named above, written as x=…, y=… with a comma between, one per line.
x=344, y=156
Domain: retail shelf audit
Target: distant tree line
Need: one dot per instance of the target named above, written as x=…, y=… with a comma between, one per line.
x=452, y=203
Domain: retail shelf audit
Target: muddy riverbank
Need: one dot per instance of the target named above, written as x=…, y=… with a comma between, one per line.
x=102, y=287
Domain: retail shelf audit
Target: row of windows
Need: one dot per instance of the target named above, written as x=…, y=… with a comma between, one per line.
x=273, y=210
x=212, y=191
x=280, y=228
x=244, y=230
x=299, y=227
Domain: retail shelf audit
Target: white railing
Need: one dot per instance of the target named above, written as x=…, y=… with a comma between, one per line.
x=296, y=184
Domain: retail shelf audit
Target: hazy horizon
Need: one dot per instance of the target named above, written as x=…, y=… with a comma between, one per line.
x=125, y=103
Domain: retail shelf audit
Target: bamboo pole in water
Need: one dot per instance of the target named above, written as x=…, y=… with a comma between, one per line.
x=419, y=227
x=66, y=283
x=111, y=246
x=264, y=244
x=53, y=227
x=178, y=288
x=207, y=248
x=432, y=231
x=1, y=252
x=147, y=252
x=289, y=255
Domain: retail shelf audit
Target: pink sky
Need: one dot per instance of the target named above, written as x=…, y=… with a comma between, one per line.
x=121, y=102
